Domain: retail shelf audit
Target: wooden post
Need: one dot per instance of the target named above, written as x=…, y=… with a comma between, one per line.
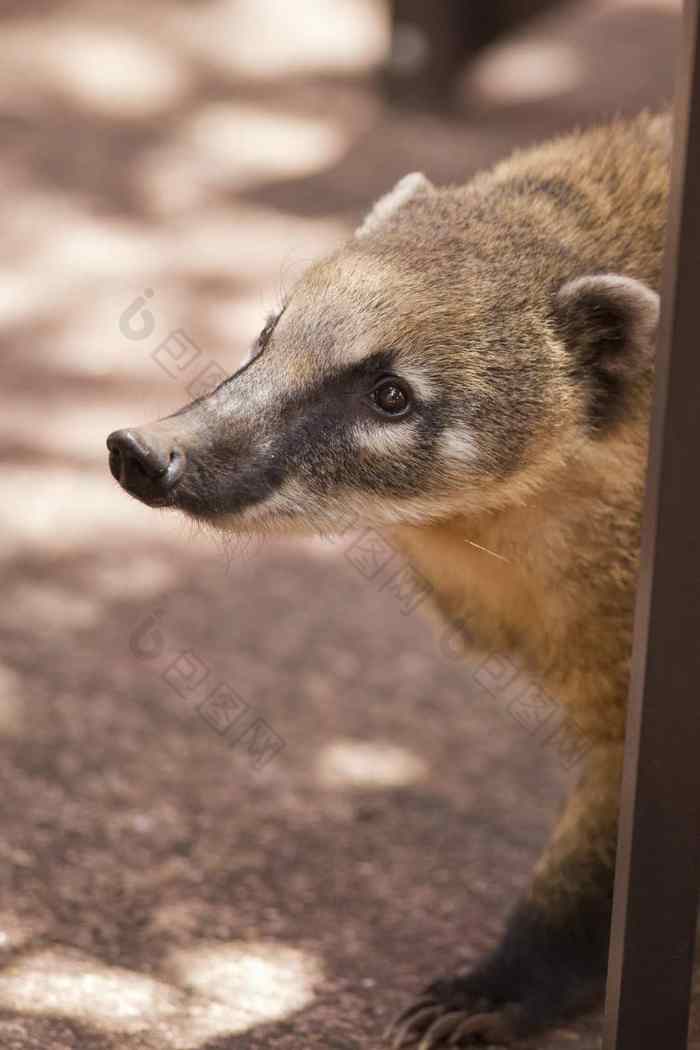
x=658, y=867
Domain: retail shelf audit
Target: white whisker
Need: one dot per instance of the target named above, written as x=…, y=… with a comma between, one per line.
x=487, y=551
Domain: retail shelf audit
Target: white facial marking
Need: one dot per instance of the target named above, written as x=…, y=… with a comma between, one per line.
x=388, y=440
x=423, y=386
x=459, y=446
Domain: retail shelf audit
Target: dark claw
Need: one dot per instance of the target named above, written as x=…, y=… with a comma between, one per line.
x=444, y=1026
x=478, y=1024
x=412, y=1024
x=401, y=1020
x=428, y=1025
x=415, y=1008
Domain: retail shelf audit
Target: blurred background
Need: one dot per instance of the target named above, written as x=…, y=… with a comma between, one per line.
x=249, y=798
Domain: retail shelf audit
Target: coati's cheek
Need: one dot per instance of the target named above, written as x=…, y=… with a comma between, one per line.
x=389, y=440
x=458, y=448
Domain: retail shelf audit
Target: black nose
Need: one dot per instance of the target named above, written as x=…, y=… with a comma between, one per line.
x=144, y=466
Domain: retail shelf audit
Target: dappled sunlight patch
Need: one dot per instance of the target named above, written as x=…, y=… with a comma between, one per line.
x=100, y=248
x=276, y=38
x=231, y=146
x=116, y=333
x=525, y=71
x=359, y=763
x=58, y=435
x=22, y=296
x=65, y=983
x=63, y=510
x=80, y=255
x=253, y=982
x=215, y=990
x=243, y=143
x=52, y=248
x=204, y=1020
x=104, y=69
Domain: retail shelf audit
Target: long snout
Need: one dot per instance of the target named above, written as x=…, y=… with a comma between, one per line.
x=147, y=462
x=207, y=460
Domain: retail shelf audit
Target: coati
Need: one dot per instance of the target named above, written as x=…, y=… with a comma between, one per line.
x=474, y=364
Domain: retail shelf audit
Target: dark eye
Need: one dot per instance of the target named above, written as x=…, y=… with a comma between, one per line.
x=391, y=397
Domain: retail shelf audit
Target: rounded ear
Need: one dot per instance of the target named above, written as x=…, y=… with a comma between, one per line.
x=608, y=324
x=406, y=189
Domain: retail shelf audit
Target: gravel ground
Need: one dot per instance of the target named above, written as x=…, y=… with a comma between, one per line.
x=161, y=885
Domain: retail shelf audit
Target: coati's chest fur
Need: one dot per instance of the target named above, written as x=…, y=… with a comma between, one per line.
x=550, y=584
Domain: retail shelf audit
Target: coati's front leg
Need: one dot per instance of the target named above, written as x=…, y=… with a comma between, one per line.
x=552, y=960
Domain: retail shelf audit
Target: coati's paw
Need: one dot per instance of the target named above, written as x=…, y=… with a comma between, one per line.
x=460, y=1012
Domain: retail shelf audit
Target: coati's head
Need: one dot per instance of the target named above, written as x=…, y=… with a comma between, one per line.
x=447, y=360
